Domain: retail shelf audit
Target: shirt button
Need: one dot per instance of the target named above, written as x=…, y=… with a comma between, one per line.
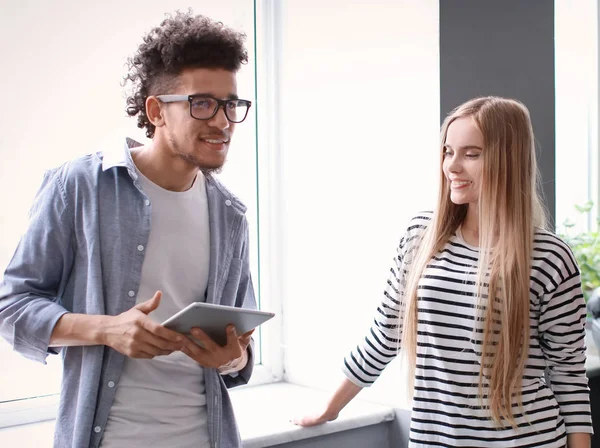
x=111, y=384
x=131, y=293
x=140, y=248
x=97, y=429
x=147, y=202
x=228, y=203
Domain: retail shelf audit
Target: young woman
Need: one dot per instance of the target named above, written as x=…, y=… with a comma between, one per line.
x=485, y=303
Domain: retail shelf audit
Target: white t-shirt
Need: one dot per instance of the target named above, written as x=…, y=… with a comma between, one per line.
x=161, y=402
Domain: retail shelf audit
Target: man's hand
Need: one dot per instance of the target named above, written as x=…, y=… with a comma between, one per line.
x=134, y=334
x=228, y=359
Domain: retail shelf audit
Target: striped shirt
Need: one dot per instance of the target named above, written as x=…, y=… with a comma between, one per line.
x=447, y=410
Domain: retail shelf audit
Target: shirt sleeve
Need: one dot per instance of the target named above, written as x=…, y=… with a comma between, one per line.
x=562, y=339
x=36, y=276
x=371, y=356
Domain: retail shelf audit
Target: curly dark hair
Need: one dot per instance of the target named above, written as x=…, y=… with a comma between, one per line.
x=181, y=41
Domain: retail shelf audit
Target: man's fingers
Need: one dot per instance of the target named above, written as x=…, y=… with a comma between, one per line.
x=194, y=351
x=234, y=347
x=162, y=332
x=150, y=305
x=146, y=350
x=141, y=355
x=143, y=332
x=244, y=340
x=248, y=334
x=206, y=340
x=232, y=337
x=148, y=335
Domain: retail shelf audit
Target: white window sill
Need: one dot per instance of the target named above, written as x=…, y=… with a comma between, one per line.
x=263, y=413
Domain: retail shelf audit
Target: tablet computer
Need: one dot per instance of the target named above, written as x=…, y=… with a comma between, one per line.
x=213, y=319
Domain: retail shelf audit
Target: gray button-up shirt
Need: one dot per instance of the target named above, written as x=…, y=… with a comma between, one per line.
x=80, y=254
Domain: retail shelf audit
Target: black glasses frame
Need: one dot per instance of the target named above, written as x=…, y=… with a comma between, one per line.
x=220, y=104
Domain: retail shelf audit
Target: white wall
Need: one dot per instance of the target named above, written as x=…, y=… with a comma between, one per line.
x=359, y=156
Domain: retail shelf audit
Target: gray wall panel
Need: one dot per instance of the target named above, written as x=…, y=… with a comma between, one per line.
x=504, y=48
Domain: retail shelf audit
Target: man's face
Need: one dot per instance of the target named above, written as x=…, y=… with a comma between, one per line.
x=202, y=143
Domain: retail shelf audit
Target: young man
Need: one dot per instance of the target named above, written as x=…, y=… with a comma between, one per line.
x=117, y=244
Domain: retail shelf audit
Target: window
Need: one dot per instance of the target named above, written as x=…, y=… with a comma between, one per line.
x=70, y=58
x=576, y=31
x=359, y=155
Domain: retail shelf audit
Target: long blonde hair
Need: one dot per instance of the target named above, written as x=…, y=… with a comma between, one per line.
x=509, y=211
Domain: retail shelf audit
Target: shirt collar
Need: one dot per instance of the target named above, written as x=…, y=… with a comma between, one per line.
x=112, y=159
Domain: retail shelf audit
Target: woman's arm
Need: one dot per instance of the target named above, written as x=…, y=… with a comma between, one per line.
x=561, y=332
x=579, y=440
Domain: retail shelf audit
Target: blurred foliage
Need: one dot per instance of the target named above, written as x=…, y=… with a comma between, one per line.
x=586, y=248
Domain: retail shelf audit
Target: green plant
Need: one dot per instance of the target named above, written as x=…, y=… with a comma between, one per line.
x=586, y=248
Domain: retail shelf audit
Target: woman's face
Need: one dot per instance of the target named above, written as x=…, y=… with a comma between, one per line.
x=463, y=161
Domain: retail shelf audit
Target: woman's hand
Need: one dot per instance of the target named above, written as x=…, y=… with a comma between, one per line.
x=314, y=419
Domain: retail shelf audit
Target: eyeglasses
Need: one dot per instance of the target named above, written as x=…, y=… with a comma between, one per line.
x=203, y=107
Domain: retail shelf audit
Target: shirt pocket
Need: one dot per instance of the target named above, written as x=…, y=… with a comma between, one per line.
x=232, y=283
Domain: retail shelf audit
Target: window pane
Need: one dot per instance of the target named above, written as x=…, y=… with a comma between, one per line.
x=576, y=52
x=24, y=378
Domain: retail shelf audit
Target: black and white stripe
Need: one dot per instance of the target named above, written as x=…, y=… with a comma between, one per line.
x=447, y=410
